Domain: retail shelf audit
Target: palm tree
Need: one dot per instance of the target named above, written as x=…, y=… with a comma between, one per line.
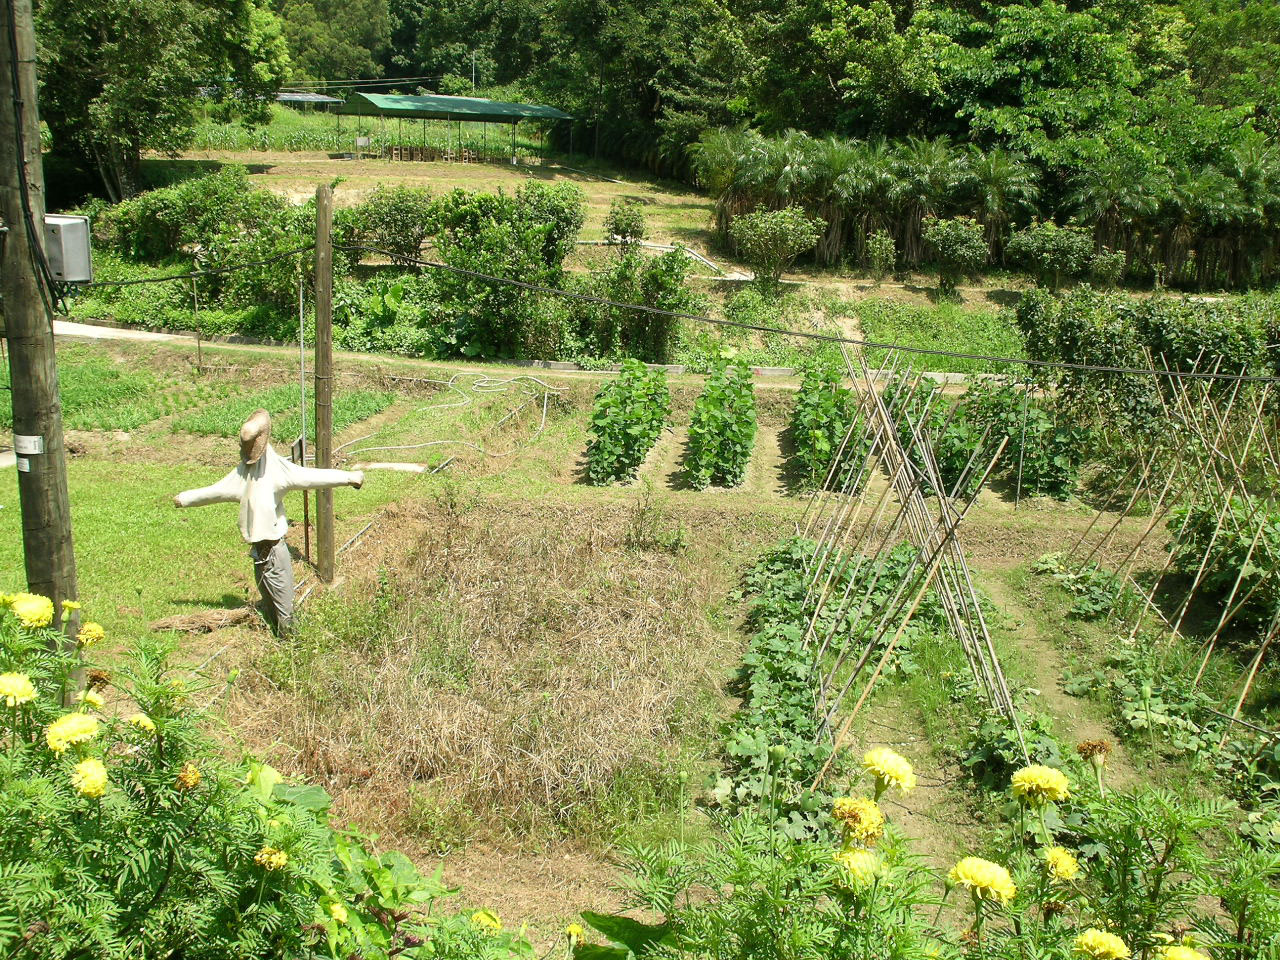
x=1006, y=188
x=929, y=173
x=1119, y=199
x=719, y=160
x=835, y=163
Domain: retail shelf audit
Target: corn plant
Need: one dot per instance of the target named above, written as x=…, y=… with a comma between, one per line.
x=723, y=428
x=629, y=414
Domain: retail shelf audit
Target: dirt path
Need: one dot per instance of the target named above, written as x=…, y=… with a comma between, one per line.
x=1075, y=718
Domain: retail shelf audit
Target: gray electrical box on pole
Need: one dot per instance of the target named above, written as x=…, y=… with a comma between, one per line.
x=66, y=247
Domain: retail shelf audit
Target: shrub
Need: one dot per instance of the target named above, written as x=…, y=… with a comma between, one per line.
x=130, y=835
x=723, y=428
x=1107, y=267
x=882, y=253
x=625, y=222
x=159, y=223
x=959, y=247
x=603, y=331
x=1052, y=252
x=825, y=411
x=770, y=240
x=628, y=417
x=396, y=219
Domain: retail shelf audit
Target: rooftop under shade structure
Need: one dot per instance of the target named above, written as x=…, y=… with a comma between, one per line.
x=293, y=96
x=447, y=108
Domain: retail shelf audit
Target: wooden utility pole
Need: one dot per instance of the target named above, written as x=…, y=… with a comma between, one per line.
x=324, y=377
x=37, y=409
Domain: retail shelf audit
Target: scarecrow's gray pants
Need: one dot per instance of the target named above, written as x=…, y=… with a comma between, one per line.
x=273, y=571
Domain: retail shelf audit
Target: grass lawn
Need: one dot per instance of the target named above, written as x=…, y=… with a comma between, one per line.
x=942, y=326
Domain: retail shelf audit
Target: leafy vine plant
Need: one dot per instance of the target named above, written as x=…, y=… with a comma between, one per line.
x=127, y=834
x=722, y=431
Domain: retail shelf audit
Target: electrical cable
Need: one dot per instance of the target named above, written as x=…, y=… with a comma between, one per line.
x=808, y=335
x=209, y=272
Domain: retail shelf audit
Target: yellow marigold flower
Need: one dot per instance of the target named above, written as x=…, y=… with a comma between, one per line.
x=269, y=858
x=1180, y=951
x=1039, y=784
x=142, y=722
x=90, y=633
x=574, y=932
x=487, y=921
x=860, y=818
x=16, y=689
x=1100, y=945
x=1062, y=863
x=32, y=609
x=70, y=729
x=188, y=777
x=860, y=866
x=338, y=912
x=90, y=698
x=890, y=769
x=984, y=879
x=89, y=777
x=69, y=607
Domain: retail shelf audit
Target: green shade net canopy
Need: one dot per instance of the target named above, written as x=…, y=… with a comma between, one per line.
x=447, y=108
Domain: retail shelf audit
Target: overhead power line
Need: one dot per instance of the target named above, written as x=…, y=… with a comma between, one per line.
x=810, y=335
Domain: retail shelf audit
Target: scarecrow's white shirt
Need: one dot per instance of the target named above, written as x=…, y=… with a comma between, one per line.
x=260, y=488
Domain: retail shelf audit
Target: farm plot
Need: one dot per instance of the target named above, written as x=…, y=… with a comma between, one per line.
x=523, y=671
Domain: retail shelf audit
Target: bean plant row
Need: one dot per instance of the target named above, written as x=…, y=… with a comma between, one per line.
x=723, y=429
x=629, y=414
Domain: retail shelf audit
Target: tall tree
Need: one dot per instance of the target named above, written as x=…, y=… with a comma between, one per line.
x=336, y=39
x=120, y=77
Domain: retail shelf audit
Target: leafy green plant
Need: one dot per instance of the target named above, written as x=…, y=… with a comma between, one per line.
x=882, y=254
x=959, y=247
x=397, y=219
x=1107, y=268
x=723, y=429
x=822, y=418
x=626, y=421
x=1243, y=549
x=624, y=223
x=952, y=437
x=770, y=240
x=1052, y=252
x=1043, y=456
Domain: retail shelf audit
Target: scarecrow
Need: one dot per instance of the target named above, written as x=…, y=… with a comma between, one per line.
x=259, y=484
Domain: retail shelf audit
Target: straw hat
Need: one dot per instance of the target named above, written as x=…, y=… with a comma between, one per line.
x=254, y=436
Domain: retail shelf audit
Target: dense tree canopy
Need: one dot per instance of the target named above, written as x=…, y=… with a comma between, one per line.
x=123, y=76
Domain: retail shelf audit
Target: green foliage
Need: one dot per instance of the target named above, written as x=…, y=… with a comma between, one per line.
x=1051, y=252
x=770, y=240
x=959, y=247
x=882, y=253
x=1098, y=591
x=775, y=744
x=822, y=418
x=752, y=892
x=992, y=751
x=168, y=221
x=1107, y=268
x=626, y=421
x=137, y=837
x=397, y=219
x=398, y=314
x=336, y=39
x=625, y=222
x=224, y=419
x=601, y=331
x=723, y=429
x=1241, y=541
x=957, y=444
x=944, y=326
x=123, y=77
x=1042, y=457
